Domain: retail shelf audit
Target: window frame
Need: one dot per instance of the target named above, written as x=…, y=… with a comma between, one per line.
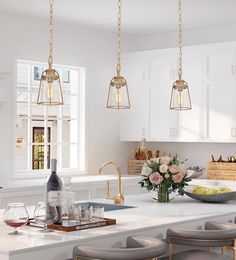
x=81, y=144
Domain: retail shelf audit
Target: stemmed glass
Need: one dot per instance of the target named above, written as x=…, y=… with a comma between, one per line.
x=15, y=216
x=46, y=214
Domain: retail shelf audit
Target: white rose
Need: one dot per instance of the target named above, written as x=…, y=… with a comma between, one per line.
x=163, y=168
x=146, y=171
x=182, y=169
x=157, y=160
x=167, y=175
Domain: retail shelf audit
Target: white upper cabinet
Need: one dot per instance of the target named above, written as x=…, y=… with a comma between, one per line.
x=193, y=65
x=135, y=69
x=221, y=62
x=134, y=121
x=221, y=110
x=192, y=123
x=209, y=70
x=163, y=67
x=162, y=121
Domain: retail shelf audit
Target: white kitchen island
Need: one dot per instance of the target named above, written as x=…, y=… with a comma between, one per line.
x=149, y=218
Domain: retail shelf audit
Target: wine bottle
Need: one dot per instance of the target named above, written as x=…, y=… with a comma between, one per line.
x=53, y=190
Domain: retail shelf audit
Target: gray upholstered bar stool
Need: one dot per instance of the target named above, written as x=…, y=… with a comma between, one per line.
x=224, y=226
x=137, y=248
x=199, y=238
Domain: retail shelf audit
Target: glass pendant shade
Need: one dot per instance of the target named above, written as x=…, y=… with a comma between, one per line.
x=50, y=90
x=180, y=97
x=118, y=95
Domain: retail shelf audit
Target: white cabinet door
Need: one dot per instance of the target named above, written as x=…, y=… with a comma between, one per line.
x=221, y=63
x=163, y=67
x=162, y=120
x=133, y=121
x=193, y=65
x=192, y=123
x=222, y=110
x=135, y=69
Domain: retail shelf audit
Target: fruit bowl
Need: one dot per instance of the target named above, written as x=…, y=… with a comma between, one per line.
x=213, y=198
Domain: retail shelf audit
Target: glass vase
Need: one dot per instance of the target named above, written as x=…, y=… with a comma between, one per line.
x=163, y=194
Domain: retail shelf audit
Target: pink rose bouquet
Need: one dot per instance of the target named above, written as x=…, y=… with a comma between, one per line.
x=164, y=174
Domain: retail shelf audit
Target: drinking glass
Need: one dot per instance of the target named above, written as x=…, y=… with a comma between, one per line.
x=15, y=216
x=98, y=213
x=46, y=214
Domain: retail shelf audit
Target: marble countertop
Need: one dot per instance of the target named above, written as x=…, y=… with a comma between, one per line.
x=147, y=214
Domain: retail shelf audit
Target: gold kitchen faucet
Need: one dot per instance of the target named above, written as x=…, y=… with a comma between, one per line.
x=118, y=198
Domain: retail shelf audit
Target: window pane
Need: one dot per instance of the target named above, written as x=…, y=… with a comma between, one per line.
x=22, y=103
x=54, y=151
x=53, y=124
x=22, y=129
x=74, y=82
x=53, y=112
x=37, y=110
x=70, y=108
x=70, y=156
x=69, y=131
x=21, y=156
x=38, y=132
x=38, y=156
x=23, y=76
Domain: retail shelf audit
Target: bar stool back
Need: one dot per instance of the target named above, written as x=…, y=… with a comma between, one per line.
x=202, y=238
x=137, y=248
x=223, y=226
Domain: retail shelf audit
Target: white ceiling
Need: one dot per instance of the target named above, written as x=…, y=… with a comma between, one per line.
x=139, y=16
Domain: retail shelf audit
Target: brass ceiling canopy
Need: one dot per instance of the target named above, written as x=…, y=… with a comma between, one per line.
x=118, y=95
x=50, y=89
x=180, y=97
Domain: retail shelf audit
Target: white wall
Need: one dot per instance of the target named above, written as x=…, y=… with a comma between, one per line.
x=191, y=37
x=198, y=153
x=27, y=38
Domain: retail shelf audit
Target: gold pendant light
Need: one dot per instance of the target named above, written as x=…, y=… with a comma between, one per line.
x=180, y=97
x=118, y=95
x=50, y=89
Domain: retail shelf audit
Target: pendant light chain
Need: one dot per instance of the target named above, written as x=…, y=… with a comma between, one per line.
x=119, y=38
x=118, y=95
x=180, y=40
x=50, y=88
x=50, y=59
x=180, y=96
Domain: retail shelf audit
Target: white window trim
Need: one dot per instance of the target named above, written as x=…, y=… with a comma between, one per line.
x=24, y=174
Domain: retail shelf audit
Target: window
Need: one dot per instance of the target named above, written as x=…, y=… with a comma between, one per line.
x=44, y=132
x=38, y=150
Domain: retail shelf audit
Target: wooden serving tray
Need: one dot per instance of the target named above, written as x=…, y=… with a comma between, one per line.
x=68, y=226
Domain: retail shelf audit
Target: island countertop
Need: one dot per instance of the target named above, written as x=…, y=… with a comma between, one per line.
x=148, y=216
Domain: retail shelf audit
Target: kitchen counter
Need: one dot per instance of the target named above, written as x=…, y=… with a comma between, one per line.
x=148, y=217
x=85, y=187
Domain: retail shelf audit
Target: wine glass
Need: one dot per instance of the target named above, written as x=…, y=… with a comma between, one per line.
x=15, y=216
x=46, y=214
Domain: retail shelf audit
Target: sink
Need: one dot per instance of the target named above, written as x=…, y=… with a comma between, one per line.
x=107, y=207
